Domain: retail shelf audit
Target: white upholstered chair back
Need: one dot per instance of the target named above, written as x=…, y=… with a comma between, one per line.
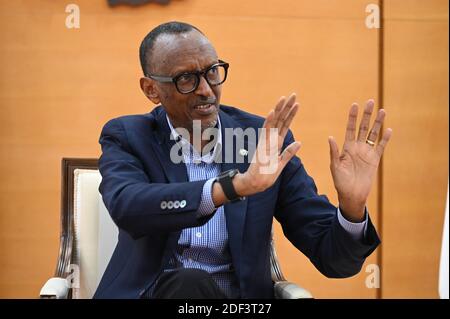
x=95, y=234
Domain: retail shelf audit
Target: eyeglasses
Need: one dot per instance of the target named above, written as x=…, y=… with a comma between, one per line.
x=188, y=82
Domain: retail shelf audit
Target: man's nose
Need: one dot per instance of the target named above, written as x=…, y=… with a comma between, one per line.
x=204, y=89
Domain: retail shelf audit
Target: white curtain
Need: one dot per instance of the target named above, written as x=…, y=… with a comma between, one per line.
x=443, y=271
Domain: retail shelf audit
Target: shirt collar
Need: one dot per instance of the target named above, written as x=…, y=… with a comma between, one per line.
x=190, y=154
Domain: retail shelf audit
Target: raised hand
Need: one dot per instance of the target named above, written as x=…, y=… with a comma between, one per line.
x=267, y=162
x=354, y=169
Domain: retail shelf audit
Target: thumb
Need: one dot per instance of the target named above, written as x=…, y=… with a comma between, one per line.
x=289, y=152
x=334, y=150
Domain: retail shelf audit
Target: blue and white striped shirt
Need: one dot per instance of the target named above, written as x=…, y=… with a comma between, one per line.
x=205, y=247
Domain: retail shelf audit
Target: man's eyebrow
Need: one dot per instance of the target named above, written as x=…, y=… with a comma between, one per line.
x=181, y=70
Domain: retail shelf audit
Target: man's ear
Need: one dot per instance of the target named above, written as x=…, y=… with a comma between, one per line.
x=150, y=90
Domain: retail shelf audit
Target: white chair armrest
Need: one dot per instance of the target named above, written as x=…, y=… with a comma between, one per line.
x=56, y=288
x=289, y=290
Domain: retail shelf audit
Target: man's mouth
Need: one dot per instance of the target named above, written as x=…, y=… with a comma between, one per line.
x=204, y=109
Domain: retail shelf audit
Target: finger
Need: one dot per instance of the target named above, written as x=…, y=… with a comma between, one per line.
x=365, y=121
x=288, y=153
x=269, y=120
x=285, y=110
x=373, y=135
x=382, y=145
x=351, y=123
x=278, y=108
x=334, y=150
x=264, y=132
x=280, y=103
x=288, y=121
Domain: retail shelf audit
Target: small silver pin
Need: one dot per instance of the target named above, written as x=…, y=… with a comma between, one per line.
x=243, y=152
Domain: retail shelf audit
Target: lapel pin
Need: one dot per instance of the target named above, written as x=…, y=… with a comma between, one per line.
x=243, y=152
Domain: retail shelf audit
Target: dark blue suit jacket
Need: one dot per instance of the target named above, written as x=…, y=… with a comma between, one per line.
x=137, y=174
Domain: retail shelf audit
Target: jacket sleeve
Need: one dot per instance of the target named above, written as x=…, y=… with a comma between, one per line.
x=133, y=200
x=310, y=223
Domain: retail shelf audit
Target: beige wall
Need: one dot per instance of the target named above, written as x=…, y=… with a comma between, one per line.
x=59, y=86
x=415, y=171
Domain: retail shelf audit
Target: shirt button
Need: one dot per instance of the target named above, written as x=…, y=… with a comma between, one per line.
x=199, y=235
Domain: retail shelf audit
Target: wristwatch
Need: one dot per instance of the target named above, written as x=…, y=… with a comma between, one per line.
x=225, y=179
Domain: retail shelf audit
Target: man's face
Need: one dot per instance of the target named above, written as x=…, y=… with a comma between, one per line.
x=178, y=53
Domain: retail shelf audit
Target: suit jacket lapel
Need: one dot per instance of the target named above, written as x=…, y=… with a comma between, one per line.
x=234, y=212
x=175, y=172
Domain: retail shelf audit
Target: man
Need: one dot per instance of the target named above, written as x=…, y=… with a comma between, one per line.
x=201, y=228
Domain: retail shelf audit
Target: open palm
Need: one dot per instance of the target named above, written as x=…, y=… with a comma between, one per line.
x=354, y=168
x=269, y=159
